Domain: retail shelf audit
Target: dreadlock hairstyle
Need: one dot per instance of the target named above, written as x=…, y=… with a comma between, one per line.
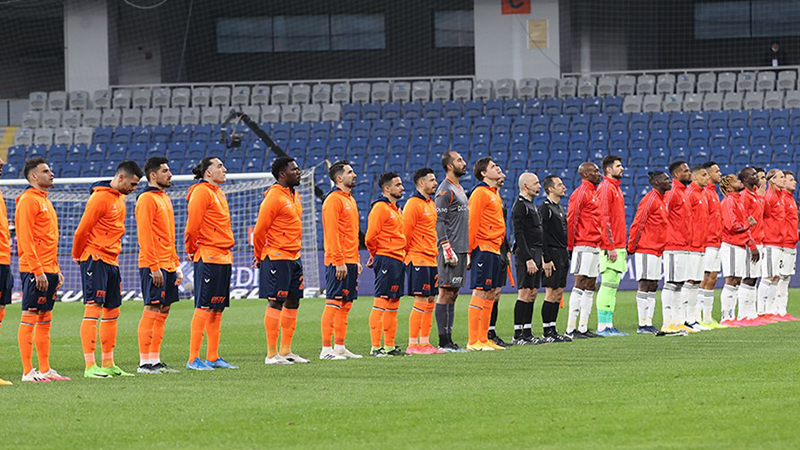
x=725, y=185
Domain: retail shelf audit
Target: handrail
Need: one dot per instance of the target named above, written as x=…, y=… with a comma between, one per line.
x=682, y=71
x=293, y=82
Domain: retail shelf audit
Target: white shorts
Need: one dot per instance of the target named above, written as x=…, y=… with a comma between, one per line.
x=675, y=266
x=694, y=268
x=585, y=262
x=647, y=266
x=755, y=269
x=711, y=261
x=789, y=261
x=771, y=261
x=736, y=262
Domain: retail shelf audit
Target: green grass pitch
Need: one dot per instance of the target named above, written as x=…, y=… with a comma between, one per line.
x=735, y=388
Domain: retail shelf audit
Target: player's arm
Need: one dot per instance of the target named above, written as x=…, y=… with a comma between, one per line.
x=477, y=203
x=95, y=208
x=729, y=219
x=25, y=221
x=266, y=215
x=409, y=222
x=637, y=226
x=573, y=214
x=606, y=200
x=374, y=226
x=544, y=212
x=331, y=210
x=518, y=216
x=198, y=203
x=443, y=203
x=145, y=210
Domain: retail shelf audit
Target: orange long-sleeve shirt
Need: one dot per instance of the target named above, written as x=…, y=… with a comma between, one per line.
x=278, y=229
x=385, y=230
x=155, y=230
x=5, y=236
x=208, y=234
x=100, y=231
x=340, y=228
x=487, y=229
x=37, y=233
x=419, y=226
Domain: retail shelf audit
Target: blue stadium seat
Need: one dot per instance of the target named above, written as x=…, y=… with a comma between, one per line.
x=521, y=124
x=641, y=178
x=501, y=125
x=181, y=133
x=762, y=155
x=592, y=105
x=520, y=142
x=58, y=153
x=122, y=135
x=699, y=155
x=599, y=123
x=579, y=124
x=513, y=107
x=380, y=128
x=537, y=160
x=439, y=144
x=782, y=154
x=598, y=142
x=638, y=157
x=339, y=148
x=341, y=130
x=759, y=118
x=679, y=153
x=659, y=121
x=540, y=141
x=214, y=149
x=780, y=136
x=401, y=128
x=102, y=135
x=618, y=140
x=301, y=130
x=412, y=110
x=281, y=130
x=320, y=130
x=136, y=152
x=659, y=138
x=698, y=137
x=738, y=119
x=142, y=135
x=96, y=153
x=453, y=109
x=553, y=106
x=417, y=160
x=612, y=105
x=679, y=138
x=779, y=118
x=533, y=107
x=640, y=122
x=481, y=125
x=718, y=137
x=494, y=107
x=499, y=144
x=721, y=154
x=16, y=155
x=351, y=111
x=679, y=121
x=235, y=164
x=396, y=162
x=473, y=108
x=540, y=124
x=258, y=150
x=462, y=125
x=91, y=169
x=698, y=120
x=361, y=129
x=759, y=136
x=718, y=119
x=518, y=159
x=421, y=127
x=432, y=110
x=618, y=123
x=739, y=137
x=369, y=111
x=441, y=126
x=70, y=170
x=399, y=145
x=377, y=146
x=201, y=133
x=559, y=123
x=639, y=138
x=558, y=158
x=114, y=152
x=573, y=106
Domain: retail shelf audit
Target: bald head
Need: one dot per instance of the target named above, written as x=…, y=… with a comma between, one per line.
x=529, y=185
x=590, y=172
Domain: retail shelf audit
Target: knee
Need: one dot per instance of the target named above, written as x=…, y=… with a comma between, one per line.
x=275, y=304
x=292, y=303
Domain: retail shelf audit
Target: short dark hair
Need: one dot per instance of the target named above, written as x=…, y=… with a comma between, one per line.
x=447, y=158
x=549, y=182
x=480, y=166
x=130, y=168
x=674, y=166
x=760, y=169
x=709, y=165
x=698, y=168
x=337, y=168
x=422, y=173
x=32, y=164
x=280, y=164
x=651, y=176
x=199, y=170
x=386, y=178
x=152, y=165
x=788, y=172
x=609, y=161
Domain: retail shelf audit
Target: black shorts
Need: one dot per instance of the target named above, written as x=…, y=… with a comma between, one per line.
x=345, y=290
x=212, y=285
x=485, y=270
x=6, y=284
x=388, y=277
x=167, y=294
x=34, y=299
x=526, y=280
x=422, y=280
x=280, y=280
x=558, y=280
x=101, y=283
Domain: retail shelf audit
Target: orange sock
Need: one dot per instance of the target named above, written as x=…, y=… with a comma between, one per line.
x=145, y=333
x=199, y=320
x=213, y=329
x=486, y=319
x=376, y=320
x=108, y=335
x=415, y=322
x=41, y=337
x=272, y=324
x=288, y=325
x=2, y=314
x=158, y=337
x=91, y=315
x=328, y=319
x=390, y=323
x=474, y=319
x=25, y=339
x=340, y=323
x=425, y=325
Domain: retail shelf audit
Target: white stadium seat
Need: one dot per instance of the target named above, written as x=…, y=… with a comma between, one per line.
x=141, y=98
x=321, y=93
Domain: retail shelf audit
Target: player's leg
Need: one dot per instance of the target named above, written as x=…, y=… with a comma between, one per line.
x=415, y=279
x=25, y=338
x=333, y=301
x=151, y=296
x=501, y=280
x=391, y=288
x=41, y=330
x=289, y=313
x=349, y=294
x=90, y=281
x=451, y=279
x=576, y=295
x=171, y=295
x=380, y=304
x=275, y=281
x=483, y=276
x=523, y=313
x=782, y=295
x=611, y=274
x=202, y=313
x=219, y=290
x=111, y=302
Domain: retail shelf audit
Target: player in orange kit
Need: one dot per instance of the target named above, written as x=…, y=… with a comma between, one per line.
x=6, y=279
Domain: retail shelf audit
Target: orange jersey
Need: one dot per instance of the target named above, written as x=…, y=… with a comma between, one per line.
x=385, y=230
x=5, y=236
x=208, y=234
x=155, y=229
x=340, y=228
x=37, y=232
x=99, y=234
x=419, y=226
x=487, y=229
x=278, y=228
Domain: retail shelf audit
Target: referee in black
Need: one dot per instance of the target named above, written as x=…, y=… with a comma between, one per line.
x=555, y=254
x=528, y=250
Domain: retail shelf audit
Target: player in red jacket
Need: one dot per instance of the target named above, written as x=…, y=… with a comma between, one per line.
x=774, y=220
x=752, y=203
x=711, y=262
x=789, y=246
x=676, y=251
x=698, y=204
x=613, y=258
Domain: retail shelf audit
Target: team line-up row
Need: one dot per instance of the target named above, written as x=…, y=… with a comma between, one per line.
x=424, y=249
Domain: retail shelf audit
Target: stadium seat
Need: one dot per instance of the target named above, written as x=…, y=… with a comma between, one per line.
x=651, y=103
x=412, y=110
x=632, y=104
x=685, y=83
x=779, y=118
x=733, y=101
x=606, y=86
x=340, y=93
x=432, y=110
x=672, y=102
x=754, y=100
x=462, y=90
x=745, y=81
x=493, y=107
x=421, y=91
x=587, y=86
x=453, y=109
x=787, y=80
x=567, y=86
x=473, y=108
x=367, y=111
x=665, y=83
x=726, y=82
x=321, y=93
x=612, y=105
x=547, y=87
x=281, y=94
x=301, y=94
x=773, y=99
x=533, y=107
x=401, y=91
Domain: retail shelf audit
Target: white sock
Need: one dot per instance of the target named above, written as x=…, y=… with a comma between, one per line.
x=641, y=307
x=772, y=294
x=728, y=302
x=680, y=306
x=651, y=307
x=782, y=295
x=575, y=298
x=339, y=347
x=668, y=304
x=708, y=305
x=586, y=310
x=690, y=295
x=762, y=296
x=746, y=301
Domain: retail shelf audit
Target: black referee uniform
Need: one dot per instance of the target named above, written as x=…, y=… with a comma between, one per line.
x=554, y=244
x=528, y=240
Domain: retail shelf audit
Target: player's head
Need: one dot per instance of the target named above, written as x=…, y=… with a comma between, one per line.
x=486, y=170
x=776, y=179
x=529, y=185
x=612, y=167
x=453, y=163
x=210, y=169
x=127, y=177
x=700, y=176
x=789, y=182
x=680, y=171
x=761, y=174
x=552, y=184
x=590, y=172
x=38, y=173
x=729, y=184
x=342, y=174
x=660, y=181
x=156, y=170
x=425, y=181
x=391, y=185
x=714, y=174
x=502, y=180
x=749, y=177
x=286, y=171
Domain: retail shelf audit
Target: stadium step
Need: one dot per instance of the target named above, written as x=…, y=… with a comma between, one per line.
x=6, y=140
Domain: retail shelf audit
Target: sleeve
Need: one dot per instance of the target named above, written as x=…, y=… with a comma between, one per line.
x=266, y=215
x=95, y=208
x=518, y=215
x=24, y=219
x=476, y=204
x=607, y=235
x=374, y=226
x=731, y=222
x=544, y=211
x=574, y=204
x=443, y=201
x=198, y=203
x=409, y=222
x=330, y=227
x=637, y=226
x=145, y=210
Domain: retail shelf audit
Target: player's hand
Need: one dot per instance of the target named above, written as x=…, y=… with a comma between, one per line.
x=190, y=257
x=158, y=278
x=60, y=281
x=76, y=261
x=370, y=261
x=549, y=268
x=752, y=221
x=256, y=263
x=360, y=268
x=469, y=261
x=754, y=255
x=450, y=257
x=612, y=255
x=530, y=266
x=41, y=283
x=341, y=272
x=178, y=277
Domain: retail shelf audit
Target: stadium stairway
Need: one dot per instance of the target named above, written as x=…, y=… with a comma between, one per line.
x=6, y=140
